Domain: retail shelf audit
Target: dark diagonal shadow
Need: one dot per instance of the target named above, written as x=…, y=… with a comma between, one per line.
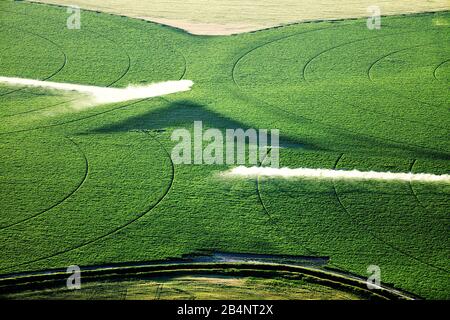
x=182, y=114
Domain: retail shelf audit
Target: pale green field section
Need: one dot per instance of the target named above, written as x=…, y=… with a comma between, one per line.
x=217, y=17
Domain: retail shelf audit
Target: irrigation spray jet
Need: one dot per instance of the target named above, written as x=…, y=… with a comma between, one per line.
x=103, y=95
x=328, y=174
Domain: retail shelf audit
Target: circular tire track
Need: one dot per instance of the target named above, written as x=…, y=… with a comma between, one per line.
x=121, y=76
x=369, y=70
x=100, y=113
x=411, y=188
x=117, y=229
x=258, y=190
x=78, y=187
x=267, y=212
x=321, y=123
x=54, y=73
x=368, y=73
x=436, y=69
x=374, y=235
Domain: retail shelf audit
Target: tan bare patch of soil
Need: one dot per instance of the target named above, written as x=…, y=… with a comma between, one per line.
x=224, y=17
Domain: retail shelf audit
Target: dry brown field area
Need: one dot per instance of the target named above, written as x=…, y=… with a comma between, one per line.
x=219, y=17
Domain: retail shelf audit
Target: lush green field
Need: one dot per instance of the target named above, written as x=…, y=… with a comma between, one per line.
x=97, y=186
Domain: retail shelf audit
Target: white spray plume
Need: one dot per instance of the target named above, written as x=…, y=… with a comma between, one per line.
x=103, y=95
x=328, y=174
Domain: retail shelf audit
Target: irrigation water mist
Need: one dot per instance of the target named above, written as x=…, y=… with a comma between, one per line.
x=104, y=95
x=328, y=174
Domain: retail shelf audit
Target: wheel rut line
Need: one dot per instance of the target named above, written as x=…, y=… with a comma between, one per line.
x=79, y=186
x=308, y=63
x=303, y=75
x=184, y=59
x=321, y=123
x=372, y=65
x=372, y=234
x=117, y=229
x=121, y=76
x=240, y=58
x=437, y=67
x=60, y=68
x=101, y=113
x=358, y=107
x=267, y=212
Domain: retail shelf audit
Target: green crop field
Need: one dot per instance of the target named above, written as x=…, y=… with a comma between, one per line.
x=97, y=186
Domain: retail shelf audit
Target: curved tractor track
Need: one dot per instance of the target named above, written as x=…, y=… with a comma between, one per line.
x=166, y=191
x=117, y=229
x=273, y=223
x=70, y=194
x=374, y=235
x=126, y=70
x=303, y=75
x=55, y=72
x=369, y=75
x=437, y=67
x=114, y=81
